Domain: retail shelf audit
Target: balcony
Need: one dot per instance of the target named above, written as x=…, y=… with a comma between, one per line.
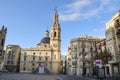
x=118, y=32
x=74, y=63
x=117, y=26
x=85, y=59
x=74, y=56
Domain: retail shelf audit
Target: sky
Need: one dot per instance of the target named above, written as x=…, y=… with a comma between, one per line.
x=27, y=20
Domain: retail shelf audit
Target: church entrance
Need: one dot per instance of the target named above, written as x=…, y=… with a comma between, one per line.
x=41, y=69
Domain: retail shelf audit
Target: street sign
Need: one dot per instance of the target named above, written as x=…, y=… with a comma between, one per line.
x=98, y=63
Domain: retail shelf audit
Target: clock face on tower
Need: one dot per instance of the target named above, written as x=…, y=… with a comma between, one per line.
x=55, y=45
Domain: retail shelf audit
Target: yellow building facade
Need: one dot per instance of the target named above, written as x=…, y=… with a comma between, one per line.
x=46, y=56
x=113, y=42
x=12, y=58
x=79, y=59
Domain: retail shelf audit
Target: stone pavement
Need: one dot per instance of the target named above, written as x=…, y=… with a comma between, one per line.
x=19, y=76
x=23, y=76
x=70, y=77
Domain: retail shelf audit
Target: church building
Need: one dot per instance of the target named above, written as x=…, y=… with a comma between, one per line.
x=3, y=33
x=46, y=56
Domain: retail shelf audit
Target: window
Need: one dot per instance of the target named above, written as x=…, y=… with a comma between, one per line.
x=54, y=56
x=108, y=38
x=25, y=53
x=83, y=63
x=95, y=48
x=83, y=50
x=54, y=34
x=91, y=49
x=24, y=64
x=33, y=69
x=45, y=45
x=33, y=58
x=40, y=53
x=2, y=43
x=46, y=58
x=83, y=45
x=11, y=62
x=118, y=23
x=39, y=58
x=91, y=55
x=10, y=55
x=33, y=53
x=1, y=53
x=25, y=56
x=10, y=48
x=33, y=64
x=24, y=69
x=39, y=64
x=8, y=62
x=74, y=63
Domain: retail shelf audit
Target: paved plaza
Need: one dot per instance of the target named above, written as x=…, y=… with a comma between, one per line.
x=19, y=76
x=23, y=76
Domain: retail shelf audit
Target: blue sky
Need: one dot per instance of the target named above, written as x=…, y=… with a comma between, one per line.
x=27, y=20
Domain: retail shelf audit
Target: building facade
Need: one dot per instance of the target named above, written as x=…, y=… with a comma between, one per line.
x=3, y=33
x=46, y=56
x=79, y=57
x=12, y=58
x=102, y=47
x=113, y=42
x=63, y=64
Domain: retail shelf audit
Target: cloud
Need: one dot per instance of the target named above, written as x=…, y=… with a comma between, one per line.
x=83, y=9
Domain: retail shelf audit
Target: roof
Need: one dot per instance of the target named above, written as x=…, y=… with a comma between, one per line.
x=45, y=40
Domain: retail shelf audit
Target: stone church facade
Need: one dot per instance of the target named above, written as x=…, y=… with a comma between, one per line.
x=3, y=33
x=46, y=54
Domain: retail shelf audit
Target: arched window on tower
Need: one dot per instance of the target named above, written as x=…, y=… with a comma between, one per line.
x=54, y=34
x=54, y=56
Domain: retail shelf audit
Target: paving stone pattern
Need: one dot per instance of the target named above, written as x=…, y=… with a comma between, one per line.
x=18, y=76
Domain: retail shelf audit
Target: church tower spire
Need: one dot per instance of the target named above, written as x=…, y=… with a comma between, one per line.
x=55, y=16
x=55, y=42
x=55, y=21
x=55, y=32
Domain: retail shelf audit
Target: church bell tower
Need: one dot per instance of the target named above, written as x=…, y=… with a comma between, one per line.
x=55, y=43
